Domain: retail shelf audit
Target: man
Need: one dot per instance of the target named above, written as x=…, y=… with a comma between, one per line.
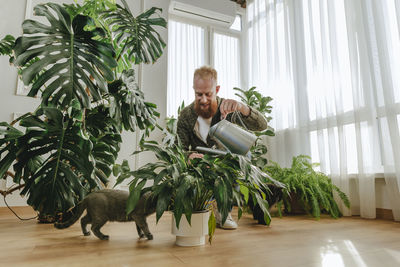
x=208, y=109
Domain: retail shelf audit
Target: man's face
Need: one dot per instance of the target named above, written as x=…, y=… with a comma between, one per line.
x=205, y=91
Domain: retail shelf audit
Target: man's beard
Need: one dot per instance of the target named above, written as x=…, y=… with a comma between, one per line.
x=209, y=112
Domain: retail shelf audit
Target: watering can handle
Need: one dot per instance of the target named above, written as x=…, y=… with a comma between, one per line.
x=237, y=116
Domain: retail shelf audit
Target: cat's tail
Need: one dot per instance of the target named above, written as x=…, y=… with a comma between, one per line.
x=77, y=212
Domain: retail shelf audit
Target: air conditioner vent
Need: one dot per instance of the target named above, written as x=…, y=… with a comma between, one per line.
x=221, y=12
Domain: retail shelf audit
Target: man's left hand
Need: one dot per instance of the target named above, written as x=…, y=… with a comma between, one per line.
x=230, y=105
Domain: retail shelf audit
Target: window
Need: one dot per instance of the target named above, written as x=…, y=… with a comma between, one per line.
x=186, y=52
x=192, y=45
x=333, y=74
x=226, y=55
x=237, y=23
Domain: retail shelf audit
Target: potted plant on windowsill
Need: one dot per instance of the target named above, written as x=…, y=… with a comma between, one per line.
x=186, y=187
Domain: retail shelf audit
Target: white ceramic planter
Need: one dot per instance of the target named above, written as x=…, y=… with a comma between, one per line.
x=191, y=235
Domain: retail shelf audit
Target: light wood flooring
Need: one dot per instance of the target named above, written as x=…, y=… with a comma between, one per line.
x=290, y=241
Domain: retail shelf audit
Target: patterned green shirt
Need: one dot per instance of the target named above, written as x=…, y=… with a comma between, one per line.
x=187, y=120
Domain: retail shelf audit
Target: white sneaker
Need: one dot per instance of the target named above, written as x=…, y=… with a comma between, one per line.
x=229, y=224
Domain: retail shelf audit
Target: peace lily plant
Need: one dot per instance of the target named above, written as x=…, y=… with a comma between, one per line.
x=79, y=62
x=186, y=186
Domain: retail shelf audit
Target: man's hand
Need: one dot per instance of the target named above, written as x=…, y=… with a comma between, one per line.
x=230, y=105
x=196, y=155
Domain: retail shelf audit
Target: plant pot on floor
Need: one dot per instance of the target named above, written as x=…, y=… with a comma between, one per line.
x=194, y=234
x=296, y=207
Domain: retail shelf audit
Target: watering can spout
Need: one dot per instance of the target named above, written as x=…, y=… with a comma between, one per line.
x=232, y=137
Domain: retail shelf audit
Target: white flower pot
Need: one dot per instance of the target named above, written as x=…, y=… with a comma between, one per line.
x=191, y=235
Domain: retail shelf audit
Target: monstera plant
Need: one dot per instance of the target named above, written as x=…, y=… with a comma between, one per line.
x=79, y=62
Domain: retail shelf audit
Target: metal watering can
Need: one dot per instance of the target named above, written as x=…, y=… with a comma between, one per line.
x=233, y=138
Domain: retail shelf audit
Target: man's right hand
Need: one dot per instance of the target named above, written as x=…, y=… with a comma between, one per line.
x=196, y=155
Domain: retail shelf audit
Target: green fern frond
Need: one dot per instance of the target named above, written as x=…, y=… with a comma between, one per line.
x=313, y=189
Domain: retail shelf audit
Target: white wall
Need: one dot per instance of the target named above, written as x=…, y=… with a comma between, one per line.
x=152, y=78
x=12, y=15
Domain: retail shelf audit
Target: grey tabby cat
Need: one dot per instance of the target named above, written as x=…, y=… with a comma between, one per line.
x=110, y=205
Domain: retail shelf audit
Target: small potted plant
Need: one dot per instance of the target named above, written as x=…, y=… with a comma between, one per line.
x=186, y=187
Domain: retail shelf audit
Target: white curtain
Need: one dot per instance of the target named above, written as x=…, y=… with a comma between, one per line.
x=189, y=48
x=332, y=67
x=226, y=57
x=186, y=52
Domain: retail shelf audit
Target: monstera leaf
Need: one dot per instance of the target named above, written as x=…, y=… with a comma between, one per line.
x=136, y=38
x=72, y=63
x=8, y=145
x=128, y=106
x=53, y=139
x=6, y=45
x=106, y=139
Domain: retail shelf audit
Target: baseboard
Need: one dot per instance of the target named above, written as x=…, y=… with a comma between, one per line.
x=385, y=214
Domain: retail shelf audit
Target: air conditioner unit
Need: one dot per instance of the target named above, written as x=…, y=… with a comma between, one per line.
x=221, y=12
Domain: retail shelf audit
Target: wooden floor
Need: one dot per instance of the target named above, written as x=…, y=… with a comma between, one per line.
x=291, y=241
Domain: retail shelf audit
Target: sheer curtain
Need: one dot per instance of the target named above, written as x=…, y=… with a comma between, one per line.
x=186, y=52
x=226, y=57
x=332, y=67
x=189, y=47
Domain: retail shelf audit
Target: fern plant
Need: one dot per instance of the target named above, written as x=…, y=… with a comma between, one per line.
x=313, y=190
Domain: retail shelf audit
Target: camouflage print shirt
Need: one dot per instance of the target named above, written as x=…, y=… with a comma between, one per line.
x=187, y=126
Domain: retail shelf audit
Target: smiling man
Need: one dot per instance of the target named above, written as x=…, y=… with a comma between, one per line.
x=195, y=120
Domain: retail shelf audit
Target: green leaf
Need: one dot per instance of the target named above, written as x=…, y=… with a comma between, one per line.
x=245, y=191
x=117, y=169
x=212, y=224
x=134, y=196
x=6, y=45
x=136, y=37
x=240, y=213
x=264, y=207
x=71, y=65
x=128, y=106
x=163, y=202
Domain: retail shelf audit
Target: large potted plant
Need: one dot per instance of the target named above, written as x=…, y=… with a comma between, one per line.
x=80, y=64
x=187, y=187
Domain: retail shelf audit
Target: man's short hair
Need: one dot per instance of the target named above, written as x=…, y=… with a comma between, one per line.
x=205, y=72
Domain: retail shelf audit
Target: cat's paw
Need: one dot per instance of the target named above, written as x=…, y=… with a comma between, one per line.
x=105, y=237
x=86, y=233
x=150, y=237
x=141, y=235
